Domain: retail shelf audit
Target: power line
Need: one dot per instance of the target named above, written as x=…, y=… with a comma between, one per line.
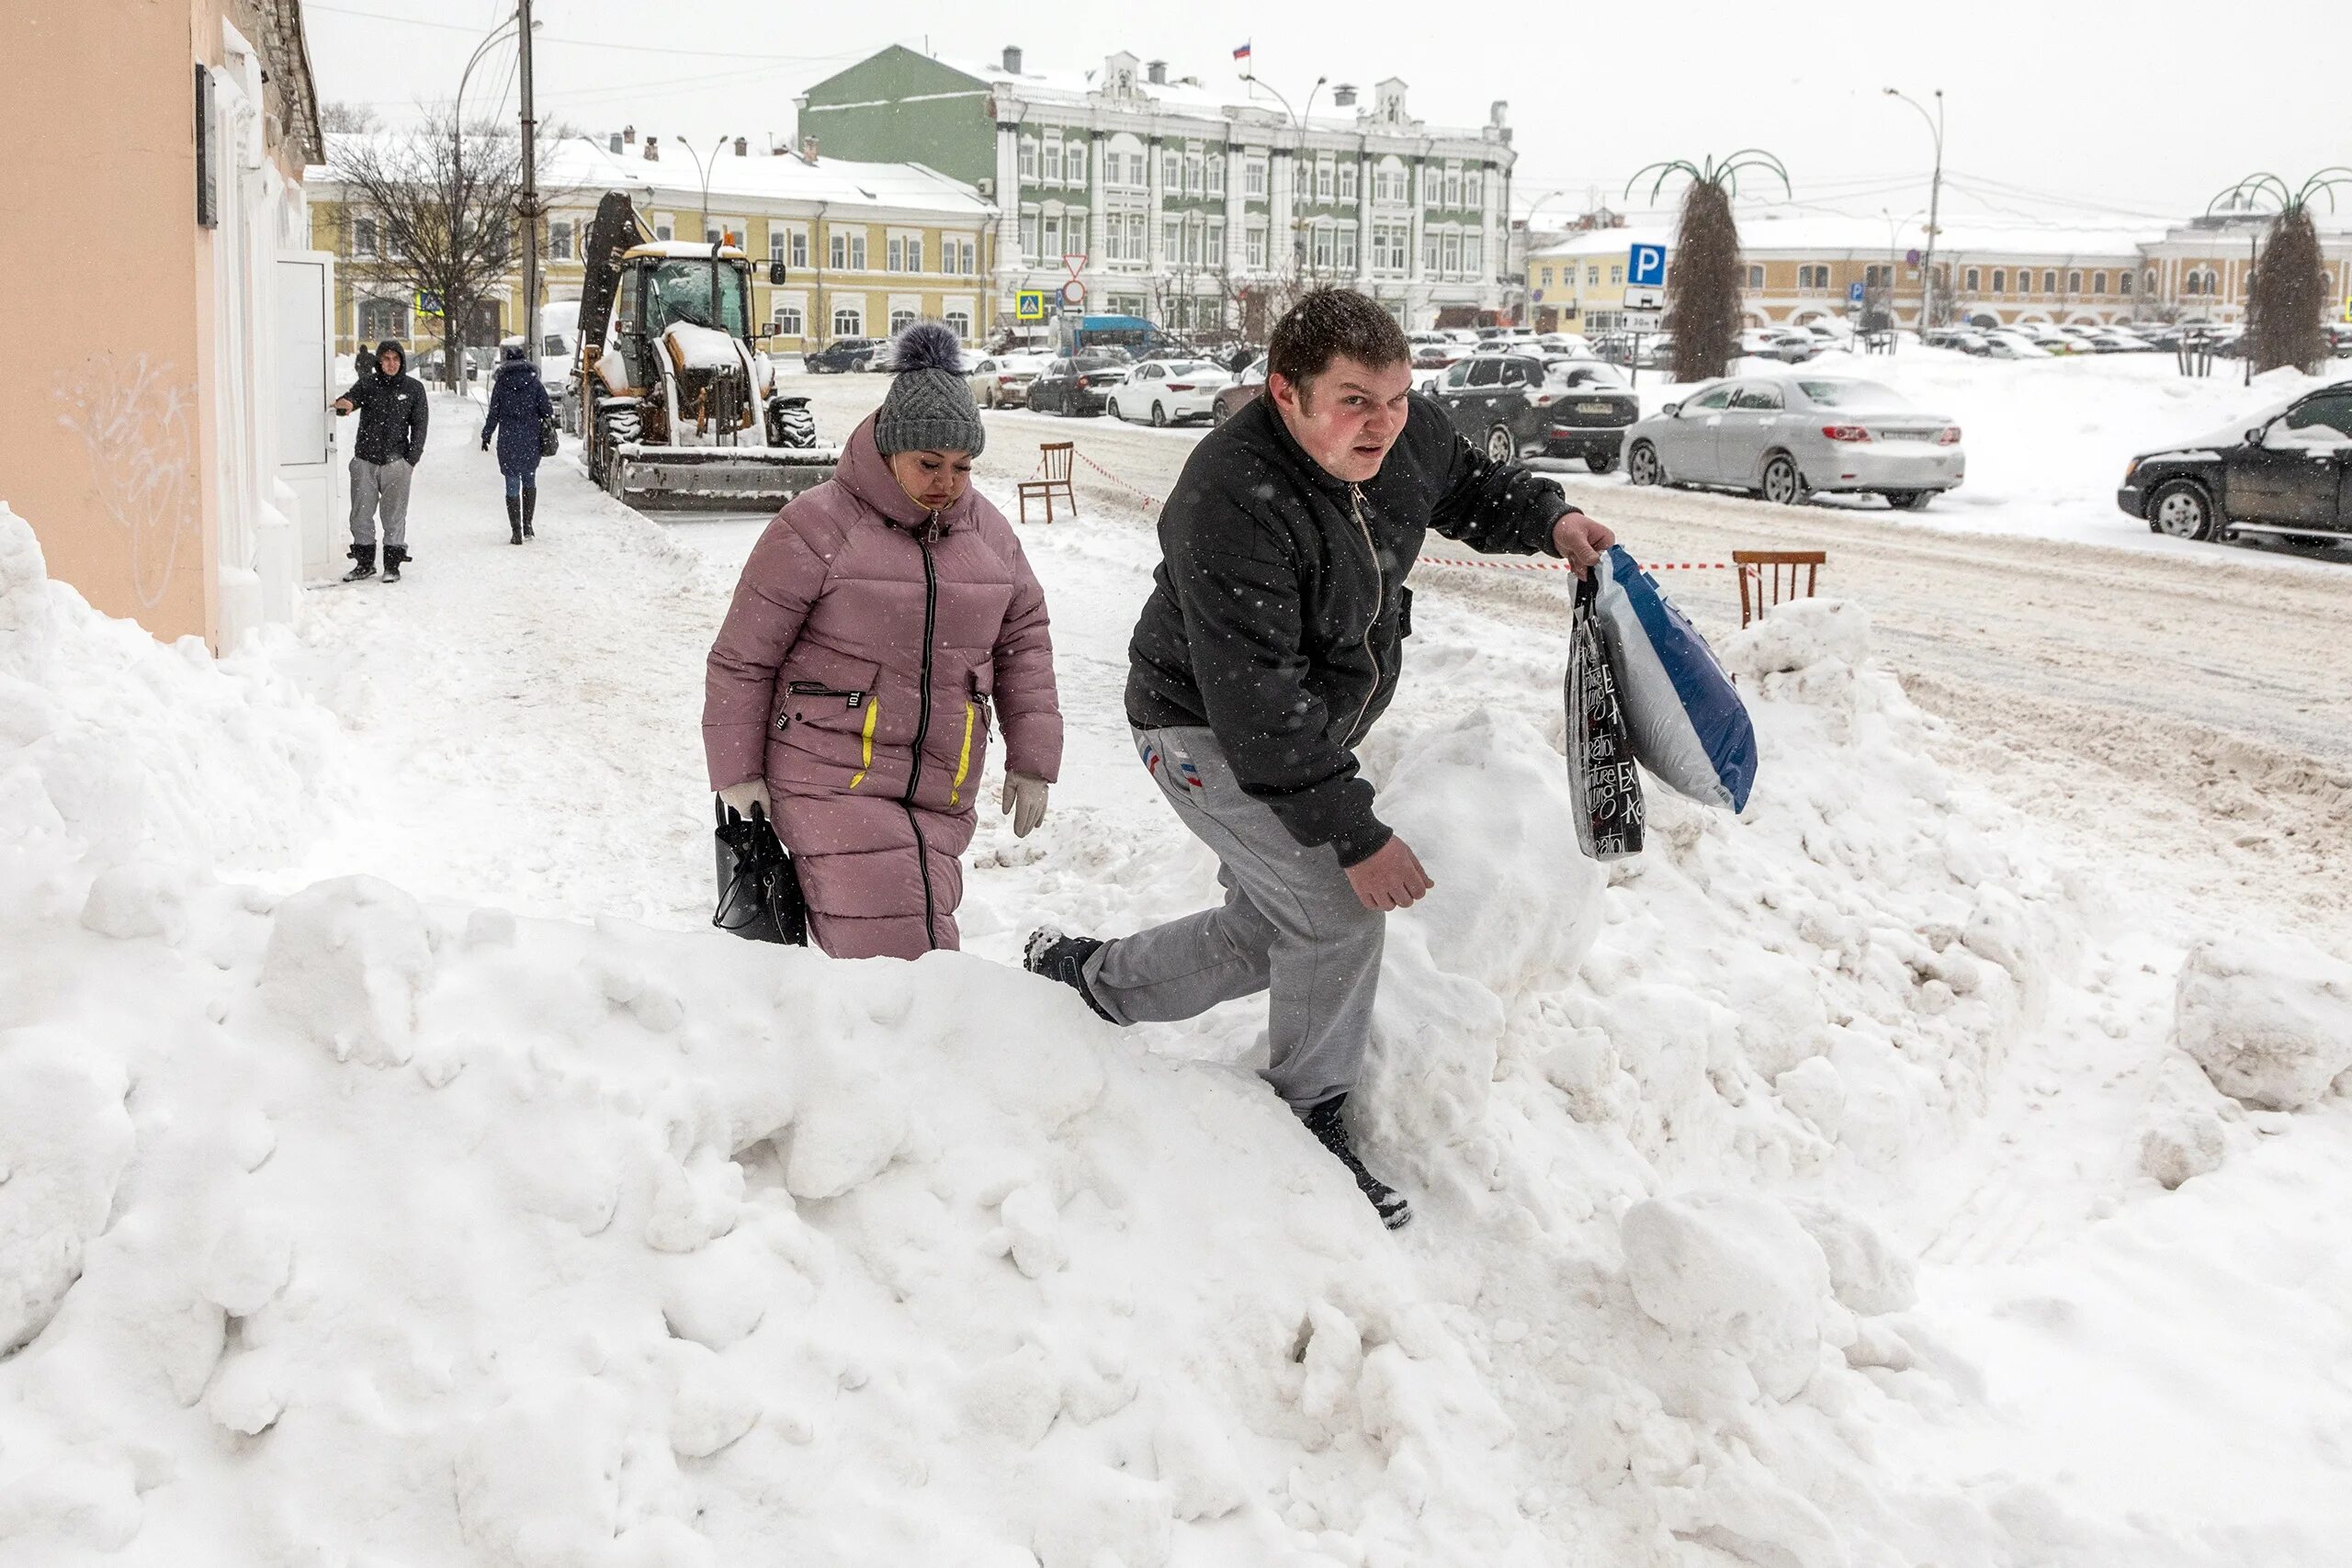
x=596, y=43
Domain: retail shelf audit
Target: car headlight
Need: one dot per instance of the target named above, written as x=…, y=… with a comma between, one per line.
x=2130, y=468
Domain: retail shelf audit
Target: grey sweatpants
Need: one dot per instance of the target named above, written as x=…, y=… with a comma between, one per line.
x=1289, y=925
x=384, y=486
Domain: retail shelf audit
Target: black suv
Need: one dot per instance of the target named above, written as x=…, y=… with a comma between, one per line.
x=846, y=354
x=1511, y=404
x=2288, y=471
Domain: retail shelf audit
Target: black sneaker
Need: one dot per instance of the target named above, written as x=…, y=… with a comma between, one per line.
x=1330, y=1130
x=1063, y=958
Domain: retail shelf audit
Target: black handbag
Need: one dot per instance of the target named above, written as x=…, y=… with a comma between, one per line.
x=550, y=436
x=759, y=888
x=1601, y=776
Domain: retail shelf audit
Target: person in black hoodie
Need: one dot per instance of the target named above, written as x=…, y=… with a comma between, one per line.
x=518, y=406
x=392, y=414
x=1269, y=646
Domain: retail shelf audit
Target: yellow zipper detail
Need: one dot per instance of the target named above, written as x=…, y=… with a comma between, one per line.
x=963, y=762
x=865, y=740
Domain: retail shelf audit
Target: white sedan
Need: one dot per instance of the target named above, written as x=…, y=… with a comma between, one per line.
x=1001, y=380
x=1169, y=391
x=1786, y=435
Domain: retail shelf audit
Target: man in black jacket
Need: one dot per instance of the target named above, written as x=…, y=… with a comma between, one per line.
x=1269, y=646
x=392, y=414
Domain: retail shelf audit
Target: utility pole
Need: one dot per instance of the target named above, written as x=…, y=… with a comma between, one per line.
x=1934, y=203
x=530, y=203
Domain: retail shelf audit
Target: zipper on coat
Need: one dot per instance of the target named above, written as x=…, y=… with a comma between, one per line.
x=1380, y=598
x=922, y=732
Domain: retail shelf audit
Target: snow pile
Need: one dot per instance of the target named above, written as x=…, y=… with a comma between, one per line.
x=344, y=1228
x=2269, y=1018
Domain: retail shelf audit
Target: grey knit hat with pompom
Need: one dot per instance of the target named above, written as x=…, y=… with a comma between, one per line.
x=930, y=407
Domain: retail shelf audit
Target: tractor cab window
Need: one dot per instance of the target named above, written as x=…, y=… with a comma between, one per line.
x=680, y=291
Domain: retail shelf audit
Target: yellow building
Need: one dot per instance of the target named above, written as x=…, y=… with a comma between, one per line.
x=867, y=248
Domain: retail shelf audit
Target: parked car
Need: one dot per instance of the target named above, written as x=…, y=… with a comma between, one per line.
x=1763, y=342
x=1232, y=397
x=1564, y=345
x=2006, y=344
x=844, y=354
x=1435, y=355
x=1001, y=380
x=1512, y=405
x=2286, y=469
x=1169, y=392
x=1079, y=386
x=1785, y=435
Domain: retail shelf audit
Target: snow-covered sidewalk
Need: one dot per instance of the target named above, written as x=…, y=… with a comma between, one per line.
x=1781, y=1192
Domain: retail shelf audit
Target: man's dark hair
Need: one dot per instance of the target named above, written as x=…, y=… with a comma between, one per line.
x=1326, y=324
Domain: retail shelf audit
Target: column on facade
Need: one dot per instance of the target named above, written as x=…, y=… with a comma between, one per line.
x=1009, y=256
x=1236, y=212
x=1097, y=220
x=1281, y=204
x=1416, y=278
x=1155, y=252
x=1494, y=242
x=1364, y=219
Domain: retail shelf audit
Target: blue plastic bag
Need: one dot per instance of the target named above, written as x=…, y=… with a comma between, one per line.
x=1687, y=725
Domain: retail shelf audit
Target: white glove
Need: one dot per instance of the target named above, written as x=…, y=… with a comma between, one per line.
x=745, y=795
x=1024, y=802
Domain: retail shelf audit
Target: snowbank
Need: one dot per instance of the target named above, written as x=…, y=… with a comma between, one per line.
x=2269, y=1018
x=341, y=1228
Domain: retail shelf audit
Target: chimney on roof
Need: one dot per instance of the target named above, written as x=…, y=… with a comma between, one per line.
x=1012, y=60
x=742, y=146
x=1156, y=72
x=614, y=144
x=1498, y=112
x=809, y=150
x=1343, y=96
x=653, y=148
x=628, y=135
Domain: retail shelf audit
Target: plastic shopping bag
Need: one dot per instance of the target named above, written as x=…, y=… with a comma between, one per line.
x=1601, y=776
x=1687, y=725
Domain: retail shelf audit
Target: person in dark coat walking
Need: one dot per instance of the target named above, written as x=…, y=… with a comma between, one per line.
x=392, y=414
x=1269, y=647
x=518, y=406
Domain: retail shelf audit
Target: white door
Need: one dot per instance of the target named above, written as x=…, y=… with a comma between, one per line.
x=307, y=454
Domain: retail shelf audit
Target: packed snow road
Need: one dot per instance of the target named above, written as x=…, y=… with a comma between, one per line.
x=2193, y=703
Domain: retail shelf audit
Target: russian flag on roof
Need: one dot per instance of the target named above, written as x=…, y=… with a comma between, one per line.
x=1241, y=53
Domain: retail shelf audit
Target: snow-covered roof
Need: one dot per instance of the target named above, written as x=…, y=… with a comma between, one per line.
x=1766, y=231
x=1199, y=98
x=584, y=164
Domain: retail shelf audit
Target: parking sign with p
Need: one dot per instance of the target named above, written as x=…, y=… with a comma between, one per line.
x=1646, y=267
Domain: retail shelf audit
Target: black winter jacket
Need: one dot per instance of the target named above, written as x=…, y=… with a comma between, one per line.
x=392, y=412
x=1279, y=606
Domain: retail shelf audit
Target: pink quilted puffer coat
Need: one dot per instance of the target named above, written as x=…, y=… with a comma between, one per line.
x=871, y=649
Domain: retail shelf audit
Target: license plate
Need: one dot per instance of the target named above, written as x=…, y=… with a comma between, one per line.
x=1596, y=408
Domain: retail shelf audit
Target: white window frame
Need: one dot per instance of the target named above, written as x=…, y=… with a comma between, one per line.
x=1253, y=178
x=1253, y=247
x=797, y=305
x=1345, y=242
x=1217, y=174
x=1452, y=186
x=914, y=253
x=1348, y=182
x=852, y=313
x=1473, y=253
x=1324, y=172
x=1050, y=159
x=1028, y=164
x=1322, y=251
x=959, y=309
x=1213, y=246
x=1172, y=173
x=1196, y=178
x=569, y=230
x=1449, y=262
x=1075, y=153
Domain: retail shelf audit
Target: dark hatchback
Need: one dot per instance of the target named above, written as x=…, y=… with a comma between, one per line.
x=1079, y=386
x=1518, y=405
x=845, y=354
x=2288, y=471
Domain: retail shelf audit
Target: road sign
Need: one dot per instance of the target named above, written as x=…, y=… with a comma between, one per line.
x=1074, y=294
x=1028, y=304
x=1646, y=267
x=1645, y=299
x=1643, y=321
x=1911, y=258
x=1853, y=294
x=1074, y=262
x=427, y=304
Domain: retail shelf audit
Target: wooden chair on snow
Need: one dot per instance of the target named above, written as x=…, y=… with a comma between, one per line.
x=1054, y=459
x=1775, y=570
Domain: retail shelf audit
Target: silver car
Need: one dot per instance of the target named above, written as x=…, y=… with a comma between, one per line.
x=1783, y=436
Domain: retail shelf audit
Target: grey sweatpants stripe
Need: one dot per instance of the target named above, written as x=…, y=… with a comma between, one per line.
x=1291, y=925
x=379, y=487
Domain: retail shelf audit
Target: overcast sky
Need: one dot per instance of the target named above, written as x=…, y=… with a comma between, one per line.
x=2113, y=113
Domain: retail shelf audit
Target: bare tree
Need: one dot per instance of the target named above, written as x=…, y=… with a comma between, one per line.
x=2288, y=299
x=441, y=200
x=348, y=119
x=1706, y=288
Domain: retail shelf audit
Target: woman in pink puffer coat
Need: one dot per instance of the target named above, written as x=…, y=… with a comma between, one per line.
x=886, y=624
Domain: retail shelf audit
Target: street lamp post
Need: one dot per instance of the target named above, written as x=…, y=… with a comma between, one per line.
x=456, y=338
x=1527, y=251
x=1935, y=199
x=703, y=166
x=1298, y=123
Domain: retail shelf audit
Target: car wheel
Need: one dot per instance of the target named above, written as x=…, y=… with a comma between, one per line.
x=1601, y=462
x=1784, y=486
x=1114, y=410
x=1641, y=465
x=1500, y=447
x=1159, y=415
x=1909, y=499
x=2183, y=509
x=1218, y=412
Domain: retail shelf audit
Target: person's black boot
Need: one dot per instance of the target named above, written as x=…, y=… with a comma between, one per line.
x=393, y=557
x=530, y=504
x=1324, y=1120
x=514, y=519
x=364, y=563
x=1063, y=958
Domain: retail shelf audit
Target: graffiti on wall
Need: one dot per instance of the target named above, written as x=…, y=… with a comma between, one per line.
x=138, y=420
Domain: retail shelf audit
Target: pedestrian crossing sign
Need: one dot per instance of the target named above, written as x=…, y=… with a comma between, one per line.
x=1029, y=305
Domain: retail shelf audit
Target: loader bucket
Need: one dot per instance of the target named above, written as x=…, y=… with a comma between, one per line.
x=718, y=478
